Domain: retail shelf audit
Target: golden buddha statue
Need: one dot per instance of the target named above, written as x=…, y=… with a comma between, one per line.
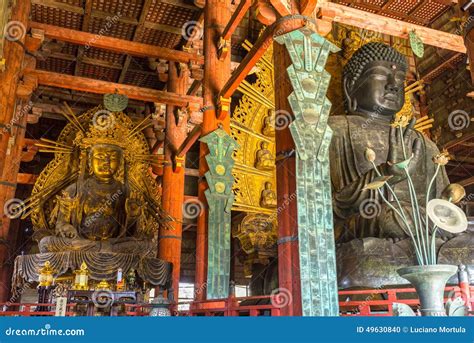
x=268, y=198
x=96, y=213
x=265, y=159
x=269, y=124
x=97, y=203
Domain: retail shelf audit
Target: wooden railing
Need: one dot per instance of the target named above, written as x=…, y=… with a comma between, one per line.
x=370, y=302
x=379, y=302
x=32, y=309
x=233, y=306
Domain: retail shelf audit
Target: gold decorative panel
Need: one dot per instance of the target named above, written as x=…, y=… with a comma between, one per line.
x=253, y=127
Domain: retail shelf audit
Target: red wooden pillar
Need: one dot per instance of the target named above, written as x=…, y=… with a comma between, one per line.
x=216, y=73
x=288, y=255
x=169, y=245
x=11, y=129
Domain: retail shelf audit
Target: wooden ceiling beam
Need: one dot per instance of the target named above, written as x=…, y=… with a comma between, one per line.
x=236, y=18
x=331, y=11
x=26, y=179
x=85, y=26
x=87, y=60
x=467, y=182
x=84, y=84
x=115, y=44
x=281, y=26
x=465, y=138
x=449, y=63
x=138, y=31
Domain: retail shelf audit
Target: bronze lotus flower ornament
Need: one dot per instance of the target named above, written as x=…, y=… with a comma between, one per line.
x=440, y=213
x=442, y=158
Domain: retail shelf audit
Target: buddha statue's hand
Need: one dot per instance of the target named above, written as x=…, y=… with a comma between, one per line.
x=402, y=146
x=67, y=231
x=133, y=207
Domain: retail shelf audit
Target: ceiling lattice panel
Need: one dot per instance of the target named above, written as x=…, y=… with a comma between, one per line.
x=420, y=12
x=57, y=17
x=115, y=18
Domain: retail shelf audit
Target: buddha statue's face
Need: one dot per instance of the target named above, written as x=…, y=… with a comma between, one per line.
x=380, y=89
x=105, y=161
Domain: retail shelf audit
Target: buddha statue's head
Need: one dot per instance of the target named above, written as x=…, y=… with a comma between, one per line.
x=374, y=81
x=104, y=161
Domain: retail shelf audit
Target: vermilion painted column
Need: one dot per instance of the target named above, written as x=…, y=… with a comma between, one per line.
x=169, y=245
x=216, y=72
x=9, y=79
x=288, y=254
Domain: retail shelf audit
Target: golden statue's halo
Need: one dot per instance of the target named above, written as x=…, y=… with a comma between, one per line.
x=71, y=149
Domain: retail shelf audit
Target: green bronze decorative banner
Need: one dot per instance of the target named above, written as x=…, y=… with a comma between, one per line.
x=220, y=199
x=312, y=136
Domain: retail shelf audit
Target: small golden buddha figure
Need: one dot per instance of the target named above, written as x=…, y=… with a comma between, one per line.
x=94, y=214
x=265, y=159
x=268, y=198
x=269, y=124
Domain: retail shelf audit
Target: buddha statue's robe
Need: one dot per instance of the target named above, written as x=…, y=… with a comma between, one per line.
x=362, y=213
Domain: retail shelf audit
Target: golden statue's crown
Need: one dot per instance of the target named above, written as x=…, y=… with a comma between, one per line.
x=105, y=128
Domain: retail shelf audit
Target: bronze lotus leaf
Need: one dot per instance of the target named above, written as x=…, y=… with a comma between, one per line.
x=378, y=182
x=454, y=193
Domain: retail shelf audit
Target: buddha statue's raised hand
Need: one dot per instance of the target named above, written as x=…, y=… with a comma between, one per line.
x=403, y=145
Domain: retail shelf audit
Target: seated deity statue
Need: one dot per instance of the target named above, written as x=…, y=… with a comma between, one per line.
x=265, y=159
x=370, y=240
x=268, y=198
x=97, y=204
x=269, y=124
x=95, y=214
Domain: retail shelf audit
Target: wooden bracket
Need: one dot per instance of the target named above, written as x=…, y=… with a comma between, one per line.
x=34, y=41
x=180, y=115
x=223, y=48
x=157, y=167
x=223, y=108
x=189, y=141
x=183, y=68
x=27, y=87
x=178, y=163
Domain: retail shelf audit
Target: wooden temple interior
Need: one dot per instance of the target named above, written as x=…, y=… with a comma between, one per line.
x=190, y=68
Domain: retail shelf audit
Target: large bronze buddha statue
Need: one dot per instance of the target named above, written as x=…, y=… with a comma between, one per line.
x=371, y=242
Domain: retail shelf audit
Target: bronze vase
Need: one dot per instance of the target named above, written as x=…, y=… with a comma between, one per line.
x=430, y=282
